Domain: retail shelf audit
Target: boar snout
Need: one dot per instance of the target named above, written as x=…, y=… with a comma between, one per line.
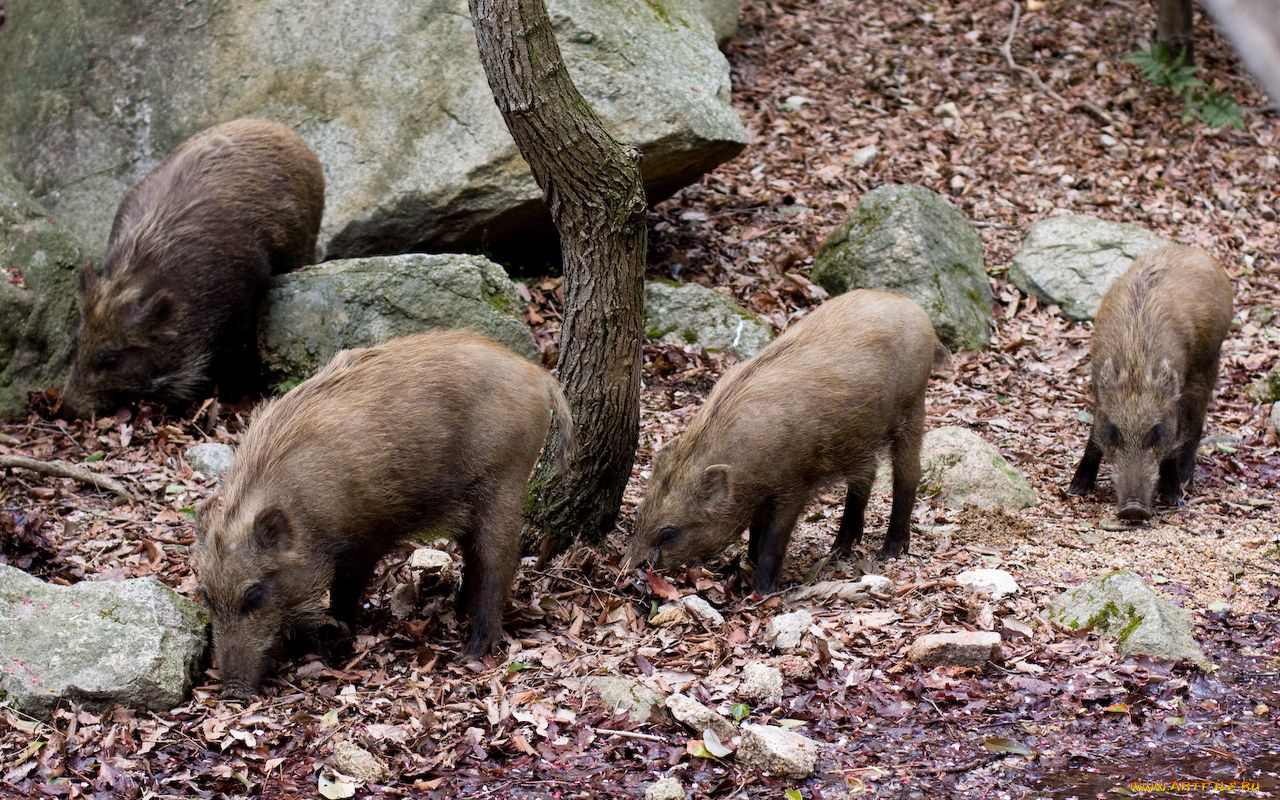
x=1134, y=511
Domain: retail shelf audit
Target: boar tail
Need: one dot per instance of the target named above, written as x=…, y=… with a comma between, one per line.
x=562, y=423
x=941, y=359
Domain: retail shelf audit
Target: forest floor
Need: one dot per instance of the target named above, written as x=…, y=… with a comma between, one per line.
x=815, y=82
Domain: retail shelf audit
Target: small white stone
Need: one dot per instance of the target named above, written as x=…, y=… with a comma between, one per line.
x=762, y=683
x=964, y=649
x=864, y=156
x=995, y=583
x=795, y=102
x=876, y=583
x=353, y=760
x=210, y=458
x=957, y=183
x=698, y=717
x=703, y=610
x=787, y=630
x=777, y=751
x=1067, y=180
x=429, y=558
x=664, y=789
x=1107, y=140
x=947, y=109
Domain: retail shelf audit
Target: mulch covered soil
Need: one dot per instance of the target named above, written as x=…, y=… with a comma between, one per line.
x=1061, y=715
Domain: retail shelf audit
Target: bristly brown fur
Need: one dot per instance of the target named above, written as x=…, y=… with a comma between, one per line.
x=436, y=431
x=1156, y=343
x=192, y=246
x=818, y=404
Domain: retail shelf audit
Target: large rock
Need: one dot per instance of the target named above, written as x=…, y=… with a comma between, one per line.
x=1072, y=260
x=963, y=469
x=38, y=264
x=133, y=643
x=1121, y=606
x=910, y=240
x=962, y=649
x=317, y=311
x=695, y=315
x=395, y=103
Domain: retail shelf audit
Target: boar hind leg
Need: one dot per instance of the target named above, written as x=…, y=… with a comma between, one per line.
x=1087, y=470
x=491, y=555
x=905, y=451
x=855, y=508
x=770, y=534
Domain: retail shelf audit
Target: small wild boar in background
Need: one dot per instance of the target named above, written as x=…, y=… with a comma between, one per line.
x=817, y=404
x=176, y=303
x=432, y=431
x=1154, y=354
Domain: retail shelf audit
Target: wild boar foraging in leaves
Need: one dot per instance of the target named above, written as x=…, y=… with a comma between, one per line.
x=817, y=404
x=1154, y=354
x=176, y=303
x=433, y=431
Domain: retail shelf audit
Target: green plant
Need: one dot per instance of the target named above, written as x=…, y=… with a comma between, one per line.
x=1200, y=101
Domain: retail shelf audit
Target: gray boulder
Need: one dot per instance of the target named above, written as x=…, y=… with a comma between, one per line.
x=395, y=103
x=135, y=643
x=39, y=260
x=317, y=311
x=910, y=240
x=1265, y=388
x=1071, y=260
x=963, y=469
x=694, y=315
x=961, y=649
x=1121, y=606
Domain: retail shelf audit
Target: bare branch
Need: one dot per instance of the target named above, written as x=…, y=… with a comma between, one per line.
x=61, y=469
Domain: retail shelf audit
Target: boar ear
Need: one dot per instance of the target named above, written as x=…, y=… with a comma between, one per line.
x=1168, y=379
x=1107, y=374
x=714, y=488
x=156, y=314
x=271, y=529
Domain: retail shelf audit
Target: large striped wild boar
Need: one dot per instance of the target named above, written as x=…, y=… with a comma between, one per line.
x=175, y=305
x=1154, y=354
x=435, y=431
x=816, y=405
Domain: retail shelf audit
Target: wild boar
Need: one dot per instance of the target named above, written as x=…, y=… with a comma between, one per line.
x=817, y=404
x=193, y=244
x=1154, y=354
x=435, y=431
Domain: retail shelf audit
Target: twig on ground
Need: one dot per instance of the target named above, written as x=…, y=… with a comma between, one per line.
x=61, y=469
x=1067, y=105
x=648, y=737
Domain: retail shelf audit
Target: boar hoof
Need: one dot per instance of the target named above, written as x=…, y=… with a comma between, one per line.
x=1134, y=512
x=890, y=551
x=237, y=690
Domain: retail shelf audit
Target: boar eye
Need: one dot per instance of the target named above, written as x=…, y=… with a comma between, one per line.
x=1113, y=436
x=107, y=359
x=667, y=535
x=1156, y=436
x=253, y=597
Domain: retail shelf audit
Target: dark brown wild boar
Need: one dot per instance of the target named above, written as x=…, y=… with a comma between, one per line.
x=175, y=305
x=817, y=404
x=1154, y=355
x=433, y=431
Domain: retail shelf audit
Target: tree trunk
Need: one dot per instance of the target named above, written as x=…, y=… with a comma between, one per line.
x=1174, y=28
x=1254, y=28
x=593, y=188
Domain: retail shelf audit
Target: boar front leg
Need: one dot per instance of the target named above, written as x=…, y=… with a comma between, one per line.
x=770, y=534
x=1196, y=402
x=1087, y=470
x=855, y=507
x=351, y=575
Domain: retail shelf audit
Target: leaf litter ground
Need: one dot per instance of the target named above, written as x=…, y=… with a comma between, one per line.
x=815, y=82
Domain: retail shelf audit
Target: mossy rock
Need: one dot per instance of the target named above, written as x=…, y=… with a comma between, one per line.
x=911, y=241
x=1122, y=607
x=315, y=312
x=697, y=316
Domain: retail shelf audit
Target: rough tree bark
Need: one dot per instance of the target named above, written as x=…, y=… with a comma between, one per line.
x=1253, y=26
x=1174, y=28
x=593, y=188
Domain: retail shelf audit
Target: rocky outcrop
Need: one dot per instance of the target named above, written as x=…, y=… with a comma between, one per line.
x=395, y=104
x=315, y=312
x=963, y=469
x=39, y=260
x=911, y=241
x=135, y=643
